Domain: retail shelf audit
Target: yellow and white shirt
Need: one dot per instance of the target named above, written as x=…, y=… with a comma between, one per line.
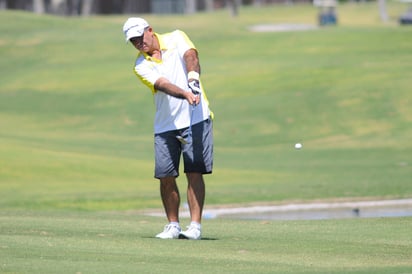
x=171, y=113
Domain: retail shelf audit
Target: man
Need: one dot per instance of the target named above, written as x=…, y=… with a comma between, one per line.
x=168, y=65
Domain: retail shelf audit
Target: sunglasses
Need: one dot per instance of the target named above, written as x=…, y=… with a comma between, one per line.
x=138, y=41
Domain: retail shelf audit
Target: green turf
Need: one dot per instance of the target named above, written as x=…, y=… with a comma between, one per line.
x=76, y=141
x=77, y=122
x=106, y=243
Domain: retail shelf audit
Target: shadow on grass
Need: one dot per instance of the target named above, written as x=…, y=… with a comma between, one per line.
x=203, y=238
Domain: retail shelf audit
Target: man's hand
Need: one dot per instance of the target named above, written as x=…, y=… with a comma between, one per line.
x=194, y=86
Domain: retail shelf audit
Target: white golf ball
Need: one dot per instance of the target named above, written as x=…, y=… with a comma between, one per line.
x=298, y=145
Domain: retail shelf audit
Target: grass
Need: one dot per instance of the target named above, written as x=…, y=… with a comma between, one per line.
x=107, y=243
x=76, y=151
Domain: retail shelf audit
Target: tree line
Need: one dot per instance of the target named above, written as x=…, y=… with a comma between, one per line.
x=88, y=7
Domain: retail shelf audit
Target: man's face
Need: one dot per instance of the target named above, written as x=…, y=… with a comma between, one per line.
x=143, y=43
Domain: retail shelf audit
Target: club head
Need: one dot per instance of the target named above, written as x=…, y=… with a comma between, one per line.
x=182, y=140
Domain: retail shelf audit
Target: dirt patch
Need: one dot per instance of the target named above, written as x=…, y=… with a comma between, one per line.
x=308, y=211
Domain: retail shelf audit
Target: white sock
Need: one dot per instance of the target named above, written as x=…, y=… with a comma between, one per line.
x=196, y=224
x=175, y=224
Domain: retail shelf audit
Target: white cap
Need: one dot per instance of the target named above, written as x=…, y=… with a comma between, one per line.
x=134, y=27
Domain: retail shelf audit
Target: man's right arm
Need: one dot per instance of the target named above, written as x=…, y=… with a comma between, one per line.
x=164, y=85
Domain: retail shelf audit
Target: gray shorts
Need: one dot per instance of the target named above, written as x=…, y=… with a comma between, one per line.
x=197, y=155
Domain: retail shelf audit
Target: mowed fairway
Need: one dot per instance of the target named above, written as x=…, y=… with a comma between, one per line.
x=76, y=148
x=113, y=243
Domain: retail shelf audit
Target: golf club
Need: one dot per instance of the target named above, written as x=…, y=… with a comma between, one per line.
x=189, y=136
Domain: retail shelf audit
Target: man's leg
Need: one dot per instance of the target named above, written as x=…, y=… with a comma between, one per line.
x=171, y=201
x=170, y=198
x=167, y=158
x=195, y=198
x=195, y=195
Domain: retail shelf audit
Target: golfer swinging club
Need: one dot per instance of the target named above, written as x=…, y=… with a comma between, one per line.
x=168, y=65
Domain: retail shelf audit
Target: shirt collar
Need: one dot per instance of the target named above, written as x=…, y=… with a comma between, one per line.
x=162, y=43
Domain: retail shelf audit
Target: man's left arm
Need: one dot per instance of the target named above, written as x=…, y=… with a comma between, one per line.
x=193, y=70
x=192, y=61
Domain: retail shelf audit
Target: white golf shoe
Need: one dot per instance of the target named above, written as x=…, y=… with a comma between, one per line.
x=170, y=232
x=192, y=233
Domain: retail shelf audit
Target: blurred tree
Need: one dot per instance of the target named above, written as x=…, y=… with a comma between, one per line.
x=38, y=6
x=382, y=10
x=86, y=8
x=190, y=6
x=3, y=4
x=233, y=7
